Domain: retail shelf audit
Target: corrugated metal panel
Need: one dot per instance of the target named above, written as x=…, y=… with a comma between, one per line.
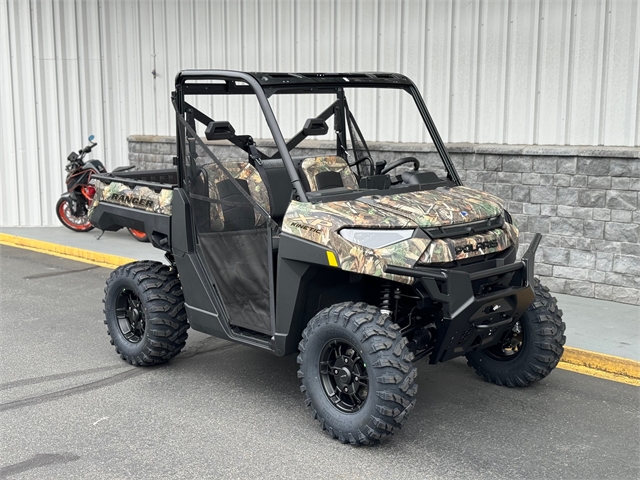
x=538, y=71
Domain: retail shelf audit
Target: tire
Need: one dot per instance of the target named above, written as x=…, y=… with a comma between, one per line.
x=382, y=378
x=138, y=235
x=144, y=313
x=69, y=220
x=533, y=353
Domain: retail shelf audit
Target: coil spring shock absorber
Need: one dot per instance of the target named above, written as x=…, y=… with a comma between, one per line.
x=389, y=297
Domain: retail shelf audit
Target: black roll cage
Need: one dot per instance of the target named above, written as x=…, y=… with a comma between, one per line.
x=263, y=85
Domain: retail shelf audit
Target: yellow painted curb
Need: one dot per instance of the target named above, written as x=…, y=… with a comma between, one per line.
x=87, y=256
x=579, y=360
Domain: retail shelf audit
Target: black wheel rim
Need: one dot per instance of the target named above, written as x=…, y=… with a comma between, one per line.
x=130, y=316
x=510, y=346
x=344, y=376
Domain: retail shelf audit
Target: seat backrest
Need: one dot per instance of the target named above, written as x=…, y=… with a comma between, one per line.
x=328, y=172
x=235, y=215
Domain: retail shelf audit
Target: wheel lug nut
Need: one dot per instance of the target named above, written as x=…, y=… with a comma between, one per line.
x=335, y=371
x=346, y=389
x=356, y=379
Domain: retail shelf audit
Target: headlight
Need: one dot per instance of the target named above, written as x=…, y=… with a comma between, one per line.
x=375, y=238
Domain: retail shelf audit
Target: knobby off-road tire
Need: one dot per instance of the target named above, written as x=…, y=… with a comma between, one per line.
x=364, y=346
x=540, y=346
x=144, y=312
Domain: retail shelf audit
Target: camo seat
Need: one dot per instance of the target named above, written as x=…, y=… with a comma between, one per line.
x=237, y=213
x=327, y=172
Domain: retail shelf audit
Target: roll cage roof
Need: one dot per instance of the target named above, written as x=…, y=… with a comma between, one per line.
x=265, y=84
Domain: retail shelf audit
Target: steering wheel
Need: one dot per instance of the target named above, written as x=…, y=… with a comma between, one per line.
x=397, y=163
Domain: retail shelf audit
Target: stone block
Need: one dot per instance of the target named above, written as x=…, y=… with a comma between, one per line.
x=622, y=232
x=601, y=214
x=579, y=181
x=593, y=166
x=568, y=196
x=543, y=195
x=557, y=285
x=576, y=243
x=538, y=224
x=596, y=276
x=549, y=210
x=599, y=182
x=636, y=216
x=630, y=249
x=509, y=177
x=521, y=222
x=530, y=178
x=565, y=211
x=560, y=271
x=544, y=269
x=622, y=200
x=545, y=164
x=501, y=190
x=591, y=198
x=531, y=209
x=546, y=179
x=567, y=165
x=517, y=164
x=493, y=162
x=583, y=212
x=622, y=183
x=580, y=288
x=594, y=229
x=520, y=193
x=476, y=186
x=486, y=177
x=582, y=259
x=566, y=226
x=632, y=281
x=604, y=261
x=553, y=255
x=473, y=161
x=514, y=207
x=613, y=278
x=618, y=294
x=634, y=184
x=550, y=241
x=626, y=264
x=625, y=167
x=605, y=246
x=562, y=180
x=622, y=216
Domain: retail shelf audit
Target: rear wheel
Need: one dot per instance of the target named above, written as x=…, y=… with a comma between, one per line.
x=138, y=235
x=530, y=350
x=144, y=313
x=356, y=373
x=78, y=222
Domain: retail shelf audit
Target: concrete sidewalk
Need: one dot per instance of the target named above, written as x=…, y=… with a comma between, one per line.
x=595, y=325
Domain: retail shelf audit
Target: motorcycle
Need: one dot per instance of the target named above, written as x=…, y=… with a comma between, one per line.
x=73, y=206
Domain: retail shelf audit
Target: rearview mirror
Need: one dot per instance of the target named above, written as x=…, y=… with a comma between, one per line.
x=91, y=137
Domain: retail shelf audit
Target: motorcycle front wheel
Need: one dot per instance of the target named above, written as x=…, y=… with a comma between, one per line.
x=73, y=222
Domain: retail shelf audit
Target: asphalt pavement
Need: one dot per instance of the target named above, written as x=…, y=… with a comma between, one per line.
x=70, y=408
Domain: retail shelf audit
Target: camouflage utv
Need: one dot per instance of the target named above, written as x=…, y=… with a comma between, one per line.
x=360, y=265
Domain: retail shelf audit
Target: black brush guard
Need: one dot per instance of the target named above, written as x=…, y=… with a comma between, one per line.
x=478, y=307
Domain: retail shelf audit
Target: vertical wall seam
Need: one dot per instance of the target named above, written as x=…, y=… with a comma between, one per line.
x=538, y=68
x=507, y=72
x=449, y=83
x=477, y=80
x=604, y=73
x=570, y=63
x=12, y=59
x=38, y=133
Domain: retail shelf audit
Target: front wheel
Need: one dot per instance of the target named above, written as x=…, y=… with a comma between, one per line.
x=531, y=349
x=77, y=223
x=144, y=312
x=356, y=373
x=138, y=235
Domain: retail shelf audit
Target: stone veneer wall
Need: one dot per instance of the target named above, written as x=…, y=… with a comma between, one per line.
x=584, y=200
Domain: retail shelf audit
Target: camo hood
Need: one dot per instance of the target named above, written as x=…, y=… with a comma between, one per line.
x=321, y=223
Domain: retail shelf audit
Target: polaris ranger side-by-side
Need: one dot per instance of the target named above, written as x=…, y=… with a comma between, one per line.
x=358, y=266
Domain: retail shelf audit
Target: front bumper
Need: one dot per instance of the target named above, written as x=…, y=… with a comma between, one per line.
x=480, y=302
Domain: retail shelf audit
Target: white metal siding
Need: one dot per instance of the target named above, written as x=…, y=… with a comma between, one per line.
x=525, y=71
